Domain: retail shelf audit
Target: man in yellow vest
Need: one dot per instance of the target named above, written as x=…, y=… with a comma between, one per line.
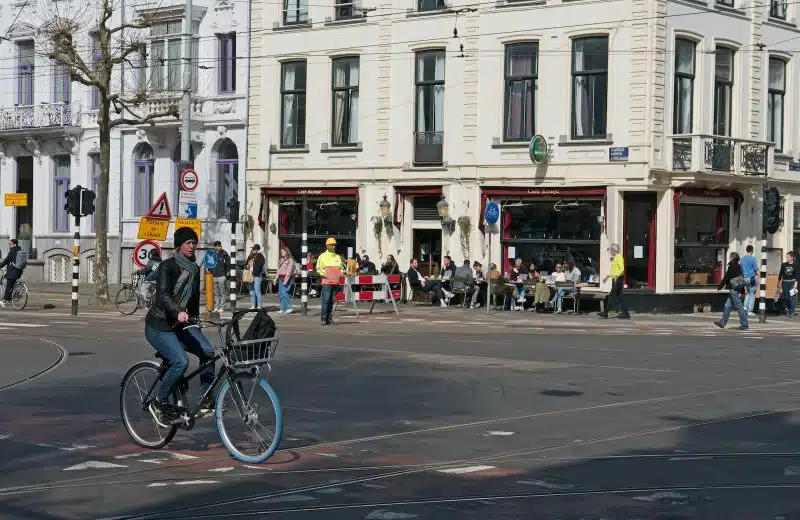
x=329, y=268
x=617, y=280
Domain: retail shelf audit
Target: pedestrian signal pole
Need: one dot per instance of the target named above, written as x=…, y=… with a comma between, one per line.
x=233, y=218
x=80, y=203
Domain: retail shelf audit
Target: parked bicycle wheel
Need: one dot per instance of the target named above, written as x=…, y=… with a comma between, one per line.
x=19, y=297
x=138, y=420
x=127, y=300
x=249, y=404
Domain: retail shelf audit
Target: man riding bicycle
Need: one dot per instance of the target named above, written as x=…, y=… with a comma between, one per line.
x=13, y=273
x=176, y=301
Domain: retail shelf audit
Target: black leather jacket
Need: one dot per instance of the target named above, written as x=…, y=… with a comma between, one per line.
x=12, y=273
x=163, y=314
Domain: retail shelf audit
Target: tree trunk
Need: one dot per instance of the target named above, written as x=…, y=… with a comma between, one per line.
x=101, y=208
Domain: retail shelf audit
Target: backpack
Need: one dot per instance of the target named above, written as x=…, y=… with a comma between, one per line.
x=21, y=260
x=262, y=327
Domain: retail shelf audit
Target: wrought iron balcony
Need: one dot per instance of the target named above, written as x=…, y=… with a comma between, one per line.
x=428, y=148
x=709, y=153
x=44, y=116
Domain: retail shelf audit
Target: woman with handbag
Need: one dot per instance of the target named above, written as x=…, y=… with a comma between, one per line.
x=254, y=275
x=787, y=282
x=735, y=282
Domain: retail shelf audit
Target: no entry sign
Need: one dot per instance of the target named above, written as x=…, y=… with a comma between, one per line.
x=189, y=180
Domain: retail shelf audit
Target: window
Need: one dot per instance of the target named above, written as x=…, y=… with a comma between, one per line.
x=429, y=80
x=589, y=87
x=345, y=101
x=775, y=94
x=166, y=51
x=227, y=63
x=61, y=174
x=25, y=62
x=94, y=95
x=723, y=91
x=62, y=84
x=348, y=9
x=295, y=11
x=520, y=87
x=325, y=217
x=701, y=244
x=227, y=176
x=431, y=5
x=293, y=104
x=683, y=109
x=777, y=9
x=726, y=3
x=94, y=174
x=142, y=180
x=139, y=68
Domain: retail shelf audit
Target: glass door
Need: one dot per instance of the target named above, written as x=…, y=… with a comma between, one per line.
x=640, y=240
x=428, y=250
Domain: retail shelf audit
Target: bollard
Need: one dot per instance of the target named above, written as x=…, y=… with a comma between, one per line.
x=209, y=292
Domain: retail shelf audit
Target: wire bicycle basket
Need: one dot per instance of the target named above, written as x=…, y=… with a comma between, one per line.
x=251, y=352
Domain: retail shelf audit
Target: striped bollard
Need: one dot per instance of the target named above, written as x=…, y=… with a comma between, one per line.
x=304, y=275
x=762, y=302
x=232, y=274
x=76, y=249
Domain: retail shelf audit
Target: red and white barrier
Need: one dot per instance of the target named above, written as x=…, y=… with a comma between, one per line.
x=370, y=288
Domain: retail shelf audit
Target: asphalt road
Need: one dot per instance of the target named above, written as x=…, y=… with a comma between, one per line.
x=429, y=415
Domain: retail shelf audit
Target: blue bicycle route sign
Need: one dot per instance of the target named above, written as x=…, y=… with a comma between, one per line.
x=210, y=260
x=491, y=213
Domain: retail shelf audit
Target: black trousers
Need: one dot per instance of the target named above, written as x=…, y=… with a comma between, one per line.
x=9, y=289
x=615, y=297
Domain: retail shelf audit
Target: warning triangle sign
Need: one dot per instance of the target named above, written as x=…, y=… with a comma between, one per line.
x=160, y=209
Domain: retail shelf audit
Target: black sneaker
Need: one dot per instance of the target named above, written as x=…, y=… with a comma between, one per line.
x=207, y=406
x=719, y=324
x=163, y=414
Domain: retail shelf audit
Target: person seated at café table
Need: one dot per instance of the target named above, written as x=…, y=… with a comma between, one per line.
x=422, y=283
x=541, y=292
x=390, y=267
x=480, y=285
x=366, y=267
x=515, y=278
x=569, y=274
x=463, y=278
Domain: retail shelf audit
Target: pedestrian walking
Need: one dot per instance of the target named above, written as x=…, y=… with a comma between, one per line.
x=615, y=295
x=735, y=282
x=329, y=268
x=788, y=283
x=750, y=273
x=285, y=280
x=220, y=274
x=255, y=265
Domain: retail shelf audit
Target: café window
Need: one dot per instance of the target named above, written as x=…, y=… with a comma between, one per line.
x=331, y=217
x=546, y=232
x=701, y=244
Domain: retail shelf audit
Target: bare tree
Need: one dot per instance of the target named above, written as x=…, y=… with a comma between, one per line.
x=64, y=28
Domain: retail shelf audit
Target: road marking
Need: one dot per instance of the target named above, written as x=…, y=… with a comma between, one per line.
x=5, y=436
x=690, y=458
x=96, y=464
x=332, y=455
x=791, y=471
x=499, y=434
x=196, y=482
x=465, y=470
x=312, y=410
x=23, y=325
x=74, y=447
x=546, y=485
x=152, y=461
x=674, y=498
x=330, y=491
x=287, y=498
x=158, y=484
x=383, y=514
x=222, y=470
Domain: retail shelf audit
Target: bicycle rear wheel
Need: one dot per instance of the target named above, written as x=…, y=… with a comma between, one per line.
x=245, y=401
x=19, y=298
x=127, y=300
x=136, y=416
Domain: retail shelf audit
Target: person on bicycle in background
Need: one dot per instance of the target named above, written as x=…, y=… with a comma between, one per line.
x=176, y=301
x=150, y=273
x=13, y=273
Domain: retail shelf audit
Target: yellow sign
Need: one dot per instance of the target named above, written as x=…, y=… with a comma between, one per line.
x=76, y=251
x=16, y=199
x=153, y=229
x=193, y=223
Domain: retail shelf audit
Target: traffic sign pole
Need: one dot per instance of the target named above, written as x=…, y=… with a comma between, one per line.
x=76, y=250
x=491, y=215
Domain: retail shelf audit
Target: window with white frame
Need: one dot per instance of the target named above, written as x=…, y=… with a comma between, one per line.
x=776, y=91
x=62, y=83
x=345, y=101
x=589, y=87
x=166, y=53
x=293, y=104
x=227, y=176
x=683, y=104
x=723, y=90
x=227, y=63
x=520, y=91
x=778, y=8
x=142, y=179
x=25, y=66
x=61, y=178
x=295, y=12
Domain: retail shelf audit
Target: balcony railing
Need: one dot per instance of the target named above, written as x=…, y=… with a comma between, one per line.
x=428, y=148
x=346, y=10
x=710, y=153
x=160, y=104
x=41, y=116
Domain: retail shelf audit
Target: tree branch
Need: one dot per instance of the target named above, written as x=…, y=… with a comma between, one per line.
x=171, y=111
x=121, y=27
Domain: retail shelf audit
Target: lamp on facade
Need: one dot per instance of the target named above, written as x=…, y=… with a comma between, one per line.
x=385, y=206
x=443, y=208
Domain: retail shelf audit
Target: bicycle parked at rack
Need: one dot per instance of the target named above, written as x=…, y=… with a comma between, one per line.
x=19, y=296
x=240, y=382
x=130, y=299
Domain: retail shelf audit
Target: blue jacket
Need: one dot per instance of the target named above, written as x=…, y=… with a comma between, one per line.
x=749, y=266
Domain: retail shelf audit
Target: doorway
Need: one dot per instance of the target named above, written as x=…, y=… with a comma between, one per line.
x=639, y=247
x=428, y=250
x=25, y=185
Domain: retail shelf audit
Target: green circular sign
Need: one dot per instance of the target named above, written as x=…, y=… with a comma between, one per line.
x=538, y=149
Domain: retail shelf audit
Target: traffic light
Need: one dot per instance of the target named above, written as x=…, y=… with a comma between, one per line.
x=73, y=205
x=772, y=218
x=233, y=210
x=87, y=203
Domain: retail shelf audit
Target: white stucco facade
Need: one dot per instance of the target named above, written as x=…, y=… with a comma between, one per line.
x=636, y=200
x=39, y=127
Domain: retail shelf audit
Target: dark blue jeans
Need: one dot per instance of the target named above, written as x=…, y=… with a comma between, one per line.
x=787, y=294
x=173, y=346
x=734, y=302
x=326, y=302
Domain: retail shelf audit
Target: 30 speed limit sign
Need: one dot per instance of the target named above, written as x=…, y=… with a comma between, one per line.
x=141, y=253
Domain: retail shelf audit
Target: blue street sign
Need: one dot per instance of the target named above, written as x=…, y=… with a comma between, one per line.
x=190, y=210
x=210, y=260
x=491, y=213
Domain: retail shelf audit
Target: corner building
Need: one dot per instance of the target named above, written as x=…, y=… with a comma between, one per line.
x=663, y=121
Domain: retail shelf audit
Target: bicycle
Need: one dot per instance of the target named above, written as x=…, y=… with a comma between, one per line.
x=241, y=362
x=129, y=298
x=19, y=296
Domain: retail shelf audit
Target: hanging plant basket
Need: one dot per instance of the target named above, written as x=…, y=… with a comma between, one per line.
x=388, y=225
x=465, y=232
x=248, y=226
x=377, y=229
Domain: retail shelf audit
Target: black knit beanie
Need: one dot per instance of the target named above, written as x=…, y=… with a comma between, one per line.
x=184, y=234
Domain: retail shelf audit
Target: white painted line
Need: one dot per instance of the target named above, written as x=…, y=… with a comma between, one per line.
x=4, y=436
x=373, y=486
x=792, y=471
x=690, y=458
x=286, y=498
x=94, y=464
x=312, y=410
x=222, y=470
x=331, y=455
x=383, y=514
x=152, y=461
x=158, y=484
x=546, y=485
x=74, y=447
x=132, y=455
x=499, y=434
x=662, y=495
x=181, y=456
x=196, y=482
x=465, y=470
x=69, y=322
x=23, y=325
x=330, y=491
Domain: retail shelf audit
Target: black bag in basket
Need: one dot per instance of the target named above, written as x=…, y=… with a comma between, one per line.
x=262, y=327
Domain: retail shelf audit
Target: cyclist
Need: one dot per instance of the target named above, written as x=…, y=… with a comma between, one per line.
x=150, y=273
x=177, y=299
x=13, y=272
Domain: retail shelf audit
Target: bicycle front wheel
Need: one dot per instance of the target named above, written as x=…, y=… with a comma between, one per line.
x=127, y=301
x=19, y=298
x=138, y=387
x=249, y=404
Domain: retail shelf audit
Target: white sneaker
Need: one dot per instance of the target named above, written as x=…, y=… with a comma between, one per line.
x=280, y=311
x=442, y=303
x=288, y=311
x=2, y=304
